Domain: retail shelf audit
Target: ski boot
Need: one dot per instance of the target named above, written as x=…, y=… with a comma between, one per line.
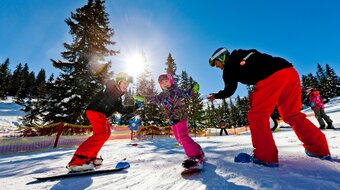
x=322, y=127
x=194, y=162
x=327, y=157
x=97, y=161
x=330, y=125
x=81, y=163
x=81, y=167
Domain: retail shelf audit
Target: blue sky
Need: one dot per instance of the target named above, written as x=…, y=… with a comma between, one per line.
x=303, y=32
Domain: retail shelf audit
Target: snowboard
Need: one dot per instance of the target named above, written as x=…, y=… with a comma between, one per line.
x=119, y=167
x=335, y=129
x=191, y=171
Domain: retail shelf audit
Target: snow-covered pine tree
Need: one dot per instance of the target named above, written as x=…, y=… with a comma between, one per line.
x=5, y=76
x=33, y=109
x=150, y=114
x=84, y=69
x=36, y=103
x=53, y=112
x=331, y=86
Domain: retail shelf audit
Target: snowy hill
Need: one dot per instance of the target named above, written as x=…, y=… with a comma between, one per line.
x=156, y=164
x=10, y=113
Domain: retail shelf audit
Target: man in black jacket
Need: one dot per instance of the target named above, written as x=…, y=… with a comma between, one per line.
x=103, y=105
x=276, y=83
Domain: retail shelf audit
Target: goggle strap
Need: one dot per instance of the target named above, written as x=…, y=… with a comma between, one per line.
x=218, y=53
x=127, y=79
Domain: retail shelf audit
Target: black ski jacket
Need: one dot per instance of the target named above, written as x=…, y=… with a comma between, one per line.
x=109, y=101
x=256, y=67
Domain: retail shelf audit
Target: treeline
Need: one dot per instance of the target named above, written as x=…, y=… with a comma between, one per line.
x=84, y=70
x=325, y=80
x=22, y=83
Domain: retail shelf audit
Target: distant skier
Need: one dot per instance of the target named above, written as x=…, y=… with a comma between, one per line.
x=223, y=124
x=276, y=83
x=104, y=104
x=171, y=98
x=318, y=106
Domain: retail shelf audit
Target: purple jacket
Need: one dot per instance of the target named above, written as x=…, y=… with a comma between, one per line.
x=172, y=100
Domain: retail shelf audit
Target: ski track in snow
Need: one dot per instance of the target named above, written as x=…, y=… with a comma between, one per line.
x=156, y=164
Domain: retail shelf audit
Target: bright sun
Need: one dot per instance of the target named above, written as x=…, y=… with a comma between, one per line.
x=135, y=63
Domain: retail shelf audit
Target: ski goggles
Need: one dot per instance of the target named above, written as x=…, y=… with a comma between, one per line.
x=220, y=58
x=128, y=79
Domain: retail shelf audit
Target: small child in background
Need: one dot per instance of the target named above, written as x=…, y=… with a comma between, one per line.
x=318, y=107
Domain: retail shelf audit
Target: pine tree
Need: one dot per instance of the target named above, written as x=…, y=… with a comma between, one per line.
x=304, y=86
x=214, y=118
x=15, y=80
x=322, y=79
x=331, y=85
x=195, y=109
x=41, y=85
x=234, y=114
x=184, y=82
x=53, y=112
x=5, y=76
x=225, y=108
x=34, y=107
x=25, y=82
x=311, y=82
x=243, y=105
x=172, y=68
x=84, y=69
x=150, y=114
x=209, y=116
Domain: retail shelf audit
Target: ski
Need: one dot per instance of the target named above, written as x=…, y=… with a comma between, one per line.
x=119, y=167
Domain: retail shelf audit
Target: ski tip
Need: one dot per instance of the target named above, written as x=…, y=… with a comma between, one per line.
x=123, y=165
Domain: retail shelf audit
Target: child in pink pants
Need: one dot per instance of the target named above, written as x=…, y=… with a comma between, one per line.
x=172, y=99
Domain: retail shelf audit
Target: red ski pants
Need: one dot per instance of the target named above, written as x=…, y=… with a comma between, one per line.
x=101, y=132
x=282, y=89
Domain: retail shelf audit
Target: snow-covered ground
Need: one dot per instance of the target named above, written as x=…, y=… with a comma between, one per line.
x=156, y=164
x=10, y=113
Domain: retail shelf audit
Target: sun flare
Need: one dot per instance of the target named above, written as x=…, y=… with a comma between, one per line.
x=135, y=63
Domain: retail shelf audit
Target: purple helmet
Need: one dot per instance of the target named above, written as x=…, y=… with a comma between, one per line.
x=166, y=77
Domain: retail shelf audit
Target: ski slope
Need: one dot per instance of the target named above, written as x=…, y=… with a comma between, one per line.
x=156, y=164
